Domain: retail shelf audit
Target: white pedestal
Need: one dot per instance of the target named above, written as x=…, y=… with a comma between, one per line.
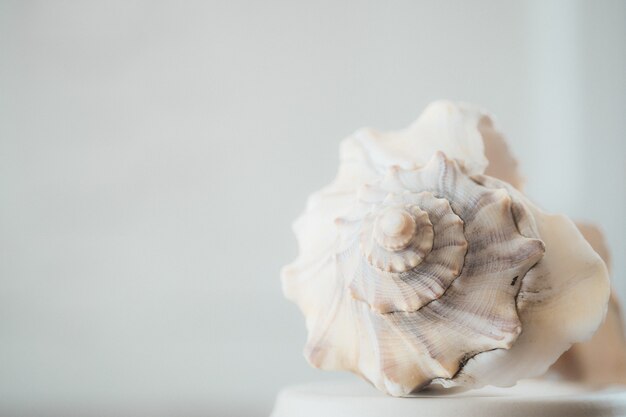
x=530, y=398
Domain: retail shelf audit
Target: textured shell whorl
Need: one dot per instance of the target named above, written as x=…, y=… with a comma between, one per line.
x=431, y=247
x=415, y=271
x=443, y=291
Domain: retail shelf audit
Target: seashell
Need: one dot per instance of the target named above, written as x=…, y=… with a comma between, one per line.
x=416, y=269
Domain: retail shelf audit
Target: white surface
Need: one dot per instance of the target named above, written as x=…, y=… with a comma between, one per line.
x=528, y=398
x=154, y=154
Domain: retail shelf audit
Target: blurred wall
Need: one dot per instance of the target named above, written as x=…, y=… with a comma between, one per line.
x=154, y=154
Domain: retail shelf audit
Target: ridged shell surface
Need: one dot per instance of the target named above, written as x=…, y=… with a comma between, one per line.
x=417, y=269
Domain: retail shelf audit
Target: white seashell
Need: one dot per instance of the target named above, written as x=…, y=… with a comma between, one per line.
x=417, y=269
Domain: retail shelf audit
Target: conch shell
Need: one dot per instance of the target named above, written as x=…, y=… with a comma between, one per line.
x=416, y=268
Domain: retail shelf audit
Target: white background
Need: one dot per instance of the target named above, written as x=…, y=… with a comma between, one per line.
x=154, y=154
